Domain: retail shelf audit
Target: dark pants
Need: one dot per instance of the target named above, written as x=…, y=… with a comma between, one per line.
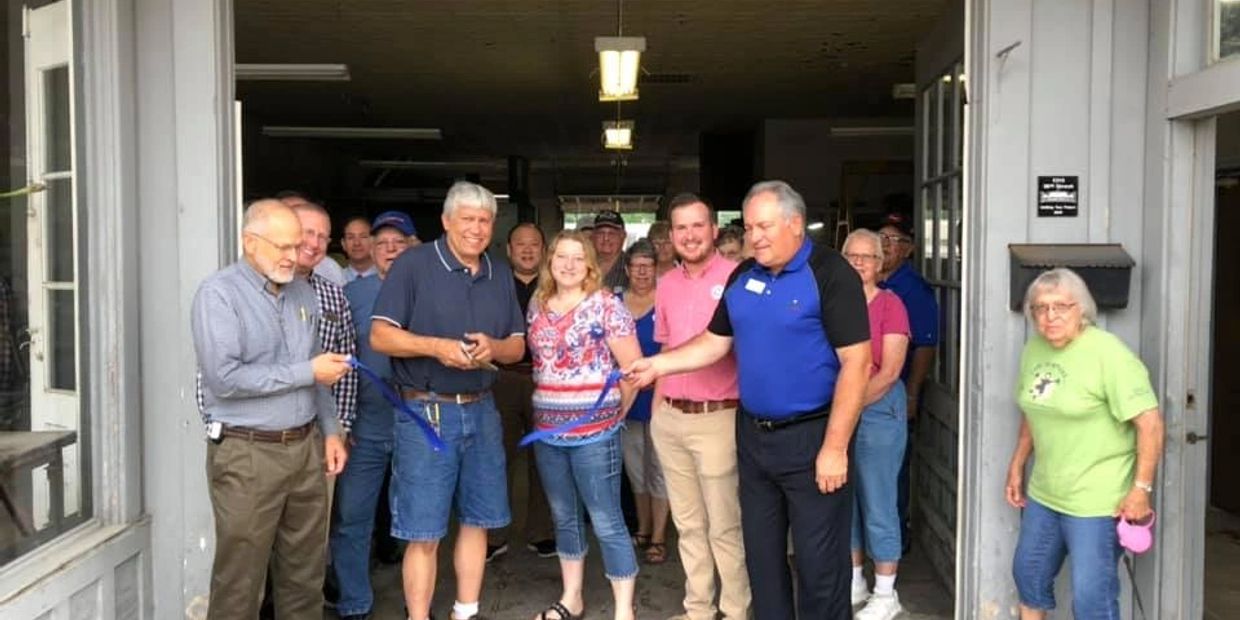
x=778, y=491
x=270, y=503
x=903, y=489
x=514, y=393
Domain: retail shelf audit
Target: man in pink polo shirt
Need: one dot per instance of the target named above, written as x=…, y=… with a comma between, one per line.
x=694, y=422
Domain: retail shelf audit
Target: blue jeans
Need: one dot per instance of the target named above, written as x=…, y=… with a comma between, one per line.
x=468, y=475
x=1046, y=537
x=357, y=495
x=588, y=474
x=878, y=451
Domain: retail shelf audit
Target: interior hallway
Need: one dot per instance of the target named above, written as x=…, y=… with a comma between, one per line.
x=520, y=584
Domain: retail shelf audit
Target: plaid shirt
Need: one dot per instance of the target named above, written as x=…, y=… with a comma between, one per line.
x=336, y=335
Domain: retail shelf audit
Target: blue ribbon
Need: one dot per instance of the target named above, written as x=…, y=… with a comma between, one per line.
x=613, y=379
x=432, y=436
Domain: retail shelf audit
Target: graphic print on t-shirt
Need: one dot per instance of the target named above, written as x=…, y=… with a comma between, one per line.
x=1046, y=377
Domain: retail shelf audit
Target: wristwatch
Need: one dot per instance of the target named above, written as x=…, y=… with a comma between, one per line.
x=1144, y=486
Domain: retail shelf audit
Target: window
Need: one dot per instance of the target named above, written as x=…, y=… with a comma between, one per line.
x=942, y=159
x=1226, y=28
x=44, y=453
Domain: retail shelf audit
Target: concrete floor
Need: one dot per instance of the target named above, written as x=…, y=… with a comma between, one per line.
x=520, y=584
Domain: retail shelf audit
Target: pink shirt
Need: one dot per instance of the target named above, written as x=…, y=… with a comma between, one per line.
x=887, y=316
x=683, y=307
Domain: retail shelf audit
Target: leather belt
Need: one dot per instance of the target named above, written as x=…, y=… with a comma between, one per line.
x=774, y=425
x=254, y=434
x=460, y=398
x=702, y=406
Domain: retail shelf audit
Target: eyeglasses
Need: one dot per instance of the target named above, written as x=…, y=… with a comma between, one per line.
x=641, y=267
x=392, y=244
x=853, y=257
x=1060, y=307
x=283, y=248
x=894, y=239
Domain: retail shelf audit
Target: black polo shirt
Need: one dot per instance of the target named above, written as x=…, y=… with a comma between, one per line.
x=786, y=327
x=430, y=293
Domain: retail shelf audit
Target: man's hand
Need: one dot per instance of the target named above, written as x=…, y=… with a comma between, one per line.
x=479, y=346
x=1135, y=506
x=329, y=367
x=450, y=353
x=641, y=373
x=1014, y=490
x=831, y=470
x=912, y=407
x=334, y=454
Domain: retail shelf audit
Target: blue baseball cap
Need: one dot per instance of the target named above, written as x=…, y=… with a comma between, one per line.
x=396, y=219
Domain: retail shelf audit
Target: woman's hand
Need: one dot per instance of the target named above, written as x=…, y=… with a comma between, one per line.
x=1015, y=487
x=1135, y=506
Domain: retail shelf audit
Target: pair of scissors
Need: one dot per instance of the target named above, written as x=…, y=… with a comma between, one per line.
x=475, y=361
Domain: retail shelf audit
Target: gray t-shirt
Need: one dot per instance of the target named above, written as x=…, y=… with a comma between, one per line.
x=616, y=280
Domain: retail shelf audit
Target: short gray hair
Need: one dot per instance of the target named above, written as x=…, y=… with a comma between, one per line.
x=259, y=211
x=871, y=236
x=789, y=201
x=466, y=194
x=1067, y=281
x=642, y=248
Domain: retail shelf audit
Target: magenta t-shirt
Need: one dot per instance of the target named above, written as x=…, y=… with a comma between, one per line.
x=887, y=316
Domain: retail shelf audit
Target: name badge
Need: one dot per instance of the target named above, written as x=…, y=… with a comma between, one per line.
x=755, y=286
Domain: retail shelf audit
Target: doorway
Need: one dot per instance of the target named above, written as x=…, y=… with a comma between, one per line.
x=1222, y=548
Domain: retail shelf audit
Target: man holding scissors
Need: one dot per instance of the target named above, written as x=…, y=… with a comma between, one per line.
x=445, y=315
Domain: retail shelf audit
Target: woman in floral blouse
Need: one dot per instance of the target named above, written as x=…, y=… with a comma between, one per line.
x=578, y=335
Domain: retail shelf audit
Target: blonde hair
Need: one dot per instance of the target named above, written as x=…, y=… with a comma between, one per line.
x=547, y=284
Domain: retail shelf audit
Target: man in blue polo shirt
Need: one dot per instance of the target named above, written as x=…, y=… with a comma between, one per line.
x=445, y=315
x=796, y=316
x=923, y=318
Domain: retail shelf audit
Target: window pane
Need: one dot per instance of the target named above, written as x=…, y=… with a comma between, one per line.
x=59, y=242
x=1228, y=25
x=56, y=102
x=43, y=456
x=62, y=340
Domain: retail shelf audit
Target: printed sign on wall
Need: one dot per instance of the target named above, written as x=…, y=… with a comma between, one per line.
x=1058, y=196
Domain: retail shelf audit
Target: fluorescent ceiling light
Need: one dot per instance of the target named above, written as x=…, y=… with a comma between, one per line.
x=863, y=132
x=293, y=72
x=619, y=59
x=815, y=226
x=399, y=133
x=618, y=135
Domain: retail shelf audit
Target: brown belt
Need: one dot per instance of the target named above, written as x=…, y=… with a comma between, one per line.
x=254, y=434
x=460, y=398
x=700, y=406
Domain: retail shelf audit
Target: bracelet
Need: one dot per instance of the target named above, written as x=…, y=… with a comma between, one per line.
x=1144, y=486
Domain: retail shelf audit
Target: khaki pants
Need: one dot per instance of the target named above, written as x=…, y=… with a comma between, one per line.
x=514, y=393
x=270, y=504
x=698, y=455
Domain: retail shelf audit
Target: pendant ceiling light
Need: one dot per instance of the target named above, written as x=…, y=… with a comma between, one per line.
x=619, y=60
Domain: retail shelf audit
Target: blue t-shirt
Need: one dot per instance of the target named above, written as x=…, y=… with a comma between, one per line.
x=640, y=411
x=374, y=413
x=430, y=293
x=786, y=327
x=922, y=307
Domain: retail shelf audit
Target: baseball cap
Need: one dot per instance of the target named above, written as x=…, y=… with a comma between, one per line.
x=900, y=222
x=396, y=219
x=608, y=218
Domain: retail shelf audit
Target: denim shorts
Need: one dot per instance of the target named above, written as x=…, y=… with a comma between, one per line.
x=468, y=475
x=1092, y=546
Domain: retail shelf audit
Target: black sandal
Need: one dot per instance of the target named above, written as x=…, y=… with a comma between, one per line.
x=641, y=541
x=656, y=553
x=560, y=609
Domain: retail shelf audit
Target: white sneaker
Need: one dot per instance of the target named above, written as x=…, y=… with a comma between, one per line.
x=860, y=592
x=881, y=607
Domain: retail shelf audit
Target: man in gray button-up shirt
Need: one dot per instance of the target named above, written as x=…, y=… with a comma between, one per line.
x=271, y=421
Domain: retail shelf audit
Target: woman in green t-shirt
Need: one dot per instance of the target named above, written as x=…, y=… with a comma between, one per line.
x=1092, y=419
